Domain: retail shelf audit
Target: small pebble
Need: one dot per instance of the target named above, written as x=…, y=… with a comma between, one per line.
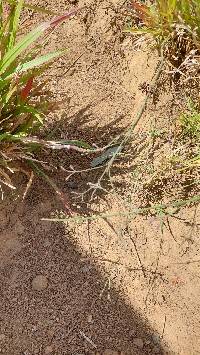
x=90, y=320
x=138, y=342
x=85, y=269
x=133, y=333
x=48, y=349
x=39, y=283
x=156, y=339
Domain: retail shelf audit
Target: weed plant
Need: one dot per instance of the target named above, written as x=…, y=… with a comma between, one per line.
x=21, y=105
x=173, y=22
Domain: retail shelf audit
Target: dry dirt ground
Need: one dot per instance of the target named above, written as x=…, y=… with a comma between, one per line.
x=108, y=286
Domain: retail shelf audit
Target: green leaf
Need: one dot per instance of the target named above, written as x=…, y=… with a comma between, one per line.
x=33, y=111
x=39, y=61
x=34, y=8
x=1, y=19
x=40, y=9
x=8, y=137
x=22, y=45
x=8, y=94
x=14, y=23
x=108, y=154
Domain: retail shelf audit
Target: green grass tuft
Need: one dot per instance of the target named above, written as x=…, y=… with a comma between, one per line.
x=190, y=122
x=21, y=106
x=173, y=22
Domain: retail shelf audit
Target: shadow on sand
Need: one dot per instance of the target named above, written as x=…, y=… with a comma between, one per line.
x=76, y=313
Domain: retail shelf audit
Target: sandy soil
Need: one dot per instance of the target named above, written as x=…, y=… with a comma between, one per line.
x=109, y=286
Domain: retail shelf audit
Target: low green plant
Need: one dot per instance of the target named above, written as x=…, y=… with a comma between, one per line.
x=175, y=22
x=168, y=209
x=190, y=122
x=21, y=106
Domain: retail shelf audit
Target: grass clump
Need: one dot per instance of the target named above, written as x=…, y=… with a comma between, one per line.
x=173, y=22
x=21, y=105
x=190, y=122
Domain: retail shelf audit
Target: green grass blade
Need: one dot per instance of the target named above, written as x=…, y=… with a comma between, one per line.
x=22, y=45
x=8, y=94
x=14, y=23
x=39, y=61
x=40, y=9
x=78, y=143
x=31, y=37
x=34, y=8
x=1, y=19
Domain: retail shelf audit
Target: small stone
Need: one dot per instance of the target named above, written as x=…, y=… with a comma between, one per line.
x=85, y=269
x=110, y=352
x=39, y=283
x=48, y=349
x=156, y=339
x=90, y=320
x=138, y=342
x=133, y=333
